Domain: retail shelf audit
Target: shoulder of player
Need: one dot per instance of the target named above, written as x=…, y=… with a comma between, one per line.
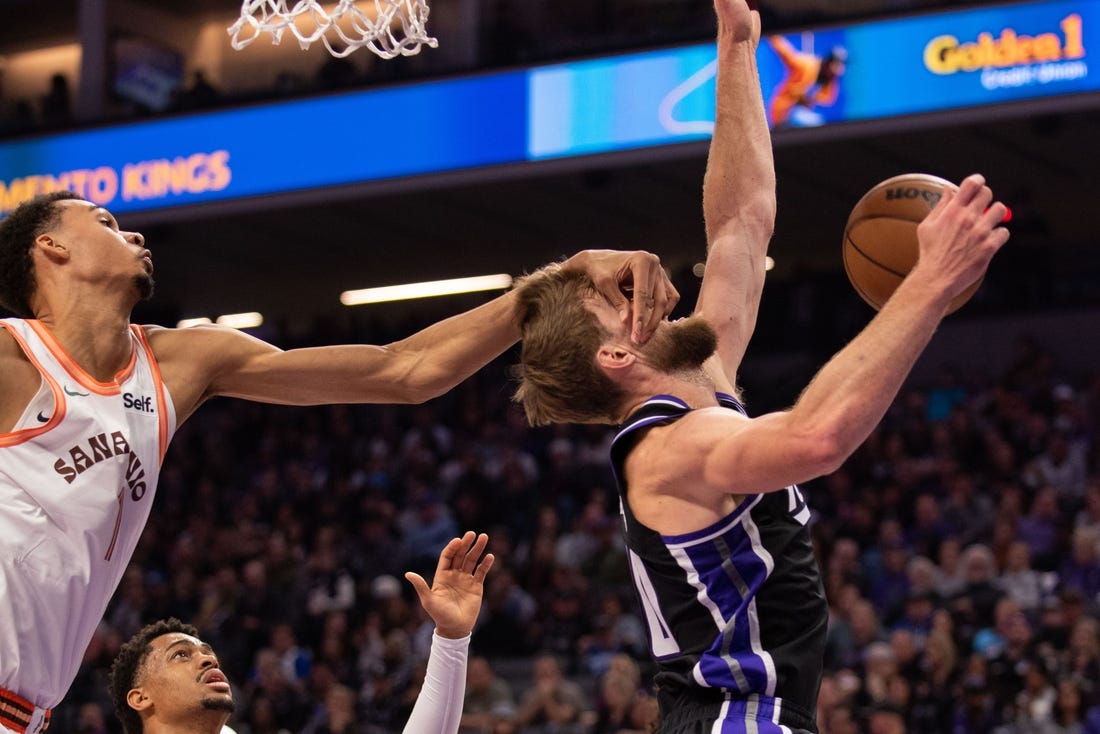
x=169, y=342
x=198, y=350
x=8, y=346
x=666, y=449
x=701, y=429
x=10, y=351
x=16, y=369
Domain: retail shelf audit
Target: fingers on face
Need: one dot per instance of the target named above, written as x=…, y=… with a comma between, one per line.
x=673, y=297
x=611, y=289
x=654, y=301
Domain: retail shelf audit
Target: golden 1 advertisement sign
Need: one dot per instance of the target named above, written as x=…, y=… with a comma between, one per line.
x=1013, y=59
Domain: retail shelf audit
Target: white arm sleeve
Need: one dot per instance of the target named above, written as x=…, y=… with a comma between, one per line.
x=438, y=708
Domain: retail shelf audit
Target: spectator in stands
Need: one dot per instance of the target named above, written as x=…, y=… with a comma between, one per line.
x=1062, y=466
x=1035, y=704
x=332, y=587
x=614, y=704
x=294, y=660
x=1089, y=515
x=934, y=695
x=553, y=704
x=1069, y=707
x=1039, y=528
x=980, y=595
x=269, y=687
x=922, y=577
x=918, y=616
x=490, y=705
x=1022, y=583
x=201, y=93
x=337, y=715
x=879, y=667
x=890, y=584
x=57, y=103
x=886, y=718
x=1081, y=571
x=841, y=719
x=928, y=527
x=978, y=712
x=950, y=576
x=614, y=631
x=564, y=616
x=1081, y=657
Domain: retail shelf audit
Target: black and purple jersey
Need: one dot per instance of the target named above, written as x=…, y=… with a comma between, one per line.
x=735, y=611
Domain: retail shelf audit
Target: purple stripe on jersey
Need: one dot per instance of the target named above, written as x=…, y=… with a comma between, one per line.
x=662, y=398
x=731, y=655
x=723, y=396
x=722, y=527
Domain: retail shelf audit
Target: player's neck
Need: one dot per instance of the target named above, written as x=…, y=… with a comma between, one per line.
x=209, y=722
x=691, y=386
x=95, y=334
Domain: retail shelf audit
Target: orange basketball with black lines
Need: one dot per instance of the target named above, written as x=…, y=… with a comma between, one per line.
x=880, y=239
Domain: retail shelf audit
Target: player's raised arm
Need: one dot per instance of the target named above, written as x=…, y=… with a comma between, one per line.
x=738, y=192
x=453, y=601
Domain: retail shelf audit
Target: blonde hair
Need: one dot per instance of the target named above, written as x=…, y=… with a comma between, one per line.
x=559, y=379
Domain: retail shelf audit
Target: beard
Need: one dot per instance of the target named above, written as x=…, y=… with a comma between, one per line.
x=682, y=345
x=221, y=703
x=144, y=284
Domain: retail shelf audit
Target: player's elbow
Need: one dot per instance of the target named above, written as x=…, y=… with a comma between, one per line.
x=760, y=216
x=820, y=451
x=420, y=386
x=413, y=378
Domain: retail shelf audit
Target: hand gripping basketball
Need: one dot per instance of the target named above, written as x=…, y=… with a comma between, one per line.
x=881, y=244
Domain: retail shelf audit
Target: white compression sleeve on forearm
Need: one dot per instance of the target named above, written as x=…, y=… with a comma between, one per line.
x=438, y=708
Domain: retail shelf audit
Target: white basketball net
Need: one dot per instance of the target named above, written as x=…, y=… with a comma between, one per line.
x=395, y=28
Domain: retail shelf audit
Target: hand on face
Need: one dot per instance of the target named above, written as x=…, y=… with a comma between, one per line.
x=635, y=284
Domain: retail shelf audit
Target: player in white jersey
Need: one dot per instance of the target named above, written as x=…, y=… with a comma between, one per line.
x=167, y=681
x=88, y=403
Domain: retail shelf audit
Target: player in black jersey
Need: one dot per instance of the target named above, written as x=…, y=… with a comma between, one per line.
x=716, y=528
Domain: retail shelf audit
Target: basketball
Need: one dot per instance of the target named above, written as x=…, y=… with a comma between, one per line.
x=880, y=239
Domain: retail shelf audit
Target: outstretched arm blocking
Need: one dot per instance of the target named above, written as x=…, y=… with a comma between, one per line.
x=210, y=361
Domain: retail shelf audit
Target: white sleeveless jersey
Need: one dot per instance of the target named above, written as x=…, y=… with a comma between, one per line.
x=77, y=478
